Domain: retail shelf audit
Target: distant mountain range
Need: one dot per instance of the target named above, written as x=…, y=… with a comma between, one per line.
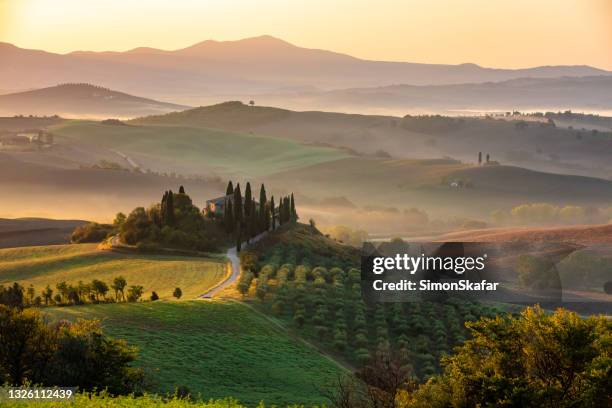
x=211, y=69
x=591, y=93
x=81, y=100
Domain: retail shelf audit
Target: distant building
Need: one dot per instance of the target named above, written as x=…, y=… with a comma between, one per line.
x=216, y=206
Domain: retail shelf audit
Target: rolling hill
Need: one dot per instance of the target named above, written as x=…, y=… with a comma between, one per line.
x=81, y=100
x=35, y=231
x=590, y=94
x=216, y=349
x=49, y=265
x=245, y=67
x=537, y=146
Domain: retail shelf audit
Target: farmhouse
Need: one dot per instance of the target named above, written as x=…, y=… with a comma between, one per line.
x=216, y=206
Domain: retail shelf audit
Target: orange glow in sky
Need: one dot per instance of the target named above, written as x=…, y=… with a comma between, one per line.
x=517, y=33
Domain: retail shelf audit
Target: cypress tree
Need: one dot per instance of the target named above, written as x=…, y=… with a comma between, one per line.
x=228, y=216
x=254, y=221
x=272, y=210
x=237, y=205
x=248, y=197
x=230, y=188
x=170, y=208
x=181, y=190
x=294, y=216
x=263, y=204
x=164, y=203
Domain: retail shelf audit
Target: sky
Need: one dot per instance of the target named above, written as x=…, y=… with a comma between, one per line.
x=493, y=33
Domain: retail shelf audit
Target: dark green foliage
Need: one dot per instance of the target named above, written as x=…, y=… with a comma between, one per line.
x=273, y=211
x=154, y=296
x=68, y=355
x=181, y=190
x=92, y=232
x=12, y=296
x=174, y=223
x=531, y=360
x=177, y=293
x=230, y=188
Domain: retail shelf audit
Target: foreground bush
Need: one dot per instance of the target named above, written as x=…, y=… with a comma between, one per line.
x=64, y=354
x=533, y=360
x=146, y=401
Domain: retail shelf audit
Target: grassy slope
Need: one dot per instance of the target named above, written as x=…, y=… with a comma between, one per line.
x=425, y=184
x=197, y=148
x=48, y=265
x=218, y=349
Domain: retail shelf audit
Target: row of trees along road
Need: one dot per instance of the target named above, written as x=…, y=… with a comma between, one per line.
x=245, y=218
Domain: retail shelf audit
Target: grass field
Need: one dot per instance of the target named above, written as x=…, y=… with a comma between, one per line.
x=217, y=349
x=196, y=149
x=48, y=265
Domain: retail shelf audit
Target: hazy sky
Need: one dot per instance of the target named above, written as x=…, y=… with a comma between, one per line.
x=497, y=33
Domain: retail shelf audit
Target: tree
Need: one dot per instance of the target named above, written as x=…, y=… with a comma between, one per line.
x=535, y=359
x=273, y=211
x=177, y=293
x=479, y=158
x=31, y=293
x=488, y=157
x=47, y=294
x=62, y=288
x=263, y=210
x=100, y=288
x=294, y=215
x=134, y=293
x=118, y=285
x=228, y=216
x=169, y=215
x=181, y=190
x=230, y=188
x=154, y=296
x=252, y=102
x=12, y=296
x=66, y=354
x=119, y=220
x=247, y=201
x=238, y=210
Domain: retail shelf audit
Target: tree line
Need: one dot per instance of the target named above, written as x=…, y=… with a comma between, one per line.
x=65, y=293
x=245, y=218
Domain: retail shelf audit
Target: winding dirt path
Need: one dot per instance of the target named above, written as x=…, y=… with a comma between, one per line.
x=234, y=259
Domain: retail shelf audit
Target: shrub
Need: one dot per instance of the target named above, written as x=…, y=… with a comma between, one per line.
x=91, y=232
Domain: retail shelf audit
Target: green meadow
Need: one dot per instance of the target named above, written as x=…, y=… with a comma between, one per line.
x=48, y=265
x=197, y=149
x=215, y=348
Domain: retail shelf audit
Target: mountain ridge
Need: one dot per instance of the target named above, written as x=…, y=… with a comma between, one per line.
x=209, y=69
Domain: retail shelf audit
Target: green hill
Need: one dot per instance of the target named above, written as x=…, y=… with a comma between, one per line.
x=48, y=265
x=217, y=349
x=194, y=150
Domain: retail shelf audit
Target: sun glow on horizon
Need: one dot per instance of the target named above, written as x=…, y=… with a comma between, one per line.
x=520, y=33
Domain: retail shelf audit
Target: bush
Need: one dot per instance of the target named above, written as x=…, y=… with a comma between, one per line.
x=64, y=354
x=91, y=232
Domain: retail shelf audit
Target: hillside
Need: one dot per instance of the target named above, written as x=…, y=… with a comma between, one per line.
x=590, y=93
x=537, y=145
x=49, y=265
x=191, y=150
x=580, y=234
x=302, y=242
x=245, y=67
x=216, y=349
x=35, y=231
x=81, y=100
x=427, y=184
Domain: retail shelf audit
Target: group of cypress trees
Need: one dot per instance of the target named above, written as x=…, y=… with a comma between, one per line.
x=244, y=218
x=167, y=208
